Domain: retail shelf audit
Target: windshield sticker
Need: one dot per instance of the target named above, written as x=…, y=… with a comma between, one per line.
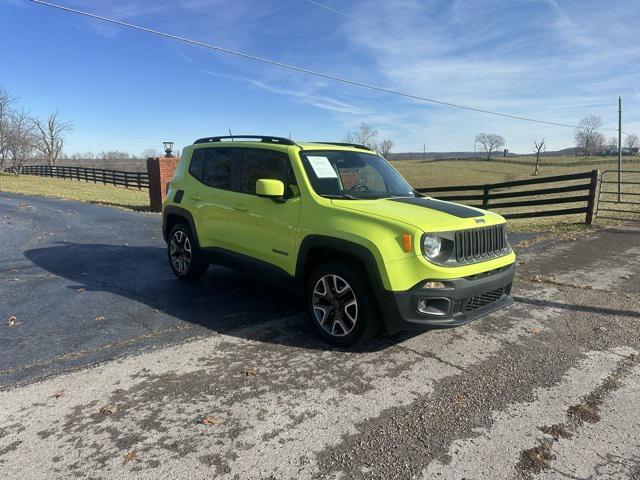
x=322, y=167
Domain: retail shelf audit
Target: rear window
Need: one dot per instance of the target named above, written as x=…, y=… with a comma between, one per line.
x=212, y=166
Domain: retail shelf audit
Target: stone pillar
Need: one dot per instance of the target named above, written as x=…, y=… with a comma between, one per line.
x=160, y=171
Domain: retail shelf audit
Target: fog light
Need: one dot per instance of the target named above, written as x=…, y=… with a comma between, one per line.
x=433, y=285
x=434, y=306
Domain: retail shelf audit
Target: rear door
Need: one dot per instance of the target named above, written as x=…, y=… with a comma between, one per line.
x=261, y=227
x=211, y=195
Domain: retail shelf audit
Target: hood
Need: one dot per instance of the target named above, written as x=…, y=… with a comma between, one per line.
x=427, y=214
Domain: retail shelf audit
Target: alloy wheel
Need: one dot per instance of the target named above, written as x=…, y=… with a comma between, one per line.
x=335, y=306
x=180, y=252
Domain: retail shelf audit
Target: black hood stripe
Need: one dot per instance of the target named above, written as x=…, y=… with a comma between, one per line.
x=454, y=209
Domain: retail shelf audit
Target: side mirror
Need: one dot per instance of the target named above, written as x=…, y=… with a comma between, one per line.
x=269, y=188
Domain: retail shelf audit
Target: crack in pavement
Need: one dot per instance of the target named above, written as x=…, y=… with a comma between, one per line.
x=536, y=459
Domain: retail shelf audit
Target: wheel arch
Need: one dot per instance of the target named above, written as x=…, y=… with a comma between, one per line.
x=318, y=249
x=171, y=216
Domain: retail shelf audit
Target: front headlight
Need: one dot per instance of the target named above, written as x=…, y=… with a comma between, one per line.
x=431, y=245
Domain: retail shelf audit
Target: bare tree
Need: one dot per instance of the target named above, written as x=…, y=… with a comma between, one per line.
x=385, y=148
x=632, y=142
x=612, y=143
x=21, y=140
x=6, y=100
x=491, y=142
x=365, y=135
x=587, y=137
x=368, y=137
x=150, y=153
x=539, y=146
x=51, y=136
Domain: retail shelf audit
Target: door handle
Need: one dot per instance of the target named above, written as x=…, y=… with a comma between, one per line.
x=195, y=197
x=241, y=208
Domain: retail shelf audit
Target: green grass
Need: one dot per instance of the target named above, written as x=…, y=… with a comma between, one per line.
x=74, y=190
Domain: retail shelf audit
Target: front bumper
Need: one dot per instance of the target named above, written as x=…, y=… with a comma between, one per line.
x=464, y=300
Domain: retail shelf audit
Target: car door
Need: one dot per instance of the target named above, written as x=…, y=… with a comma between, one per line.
x=263, y=228
x=211, y=195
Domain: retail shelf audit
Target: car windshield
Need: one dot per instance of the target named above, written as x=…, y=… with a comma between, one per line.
x=353, y=175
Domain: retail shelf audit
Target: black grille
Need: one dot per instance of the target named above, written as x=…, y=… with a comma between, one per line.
x=480, y=243
x=482, y=300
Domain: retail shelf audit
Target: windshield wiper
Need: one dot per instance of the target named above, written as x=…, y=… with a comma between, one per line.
x=342, y=197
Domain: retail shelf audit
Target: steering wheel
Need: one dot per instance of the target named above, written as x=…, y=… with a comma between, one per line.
x=360, y=187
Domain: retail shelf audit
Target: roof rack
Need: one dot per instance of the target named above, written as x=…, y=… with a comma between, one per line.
x=262, y=138
x=355, y=145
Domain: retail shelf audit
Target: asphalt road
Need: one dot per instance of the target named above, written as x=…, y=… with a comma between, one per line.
x=114, y=364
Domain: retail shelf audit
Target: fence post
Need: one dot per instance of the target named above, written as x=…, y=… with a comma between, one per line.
x=591, y=203
x=485, y=197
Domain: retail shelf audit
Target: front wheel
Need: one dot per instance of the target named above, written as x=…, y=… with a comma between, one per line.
x=184, y=255
x=341, y=305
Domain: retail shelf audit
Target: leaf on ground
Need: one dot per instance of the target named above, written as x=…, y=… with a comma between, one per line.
x=250, y=372
x=208, y=420
x=110, y=409
x=535, y=331
x=128, y=457
x=99, y=318
x=12, y=321
x=57, y=395
x=80, y=290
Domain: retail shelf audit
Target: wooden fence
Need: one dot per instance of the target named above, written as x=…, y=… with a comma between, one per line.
x=137, y=180
x=501, y=196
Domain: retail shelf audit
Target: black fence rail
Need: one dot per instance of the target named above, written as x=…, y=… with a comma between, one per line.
x=501, y=196
x=137, y=180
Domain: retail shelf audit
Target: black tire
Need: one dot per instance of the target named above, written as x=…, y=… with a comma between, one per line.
x=181, y=242
x=331, y=312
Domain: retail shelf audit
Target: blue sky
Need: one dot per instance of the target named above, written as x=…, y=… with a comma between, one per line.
x=550, y=59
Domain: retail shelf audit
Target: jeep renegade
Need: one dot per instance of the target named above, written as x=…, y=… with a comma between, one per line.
x=338, y=224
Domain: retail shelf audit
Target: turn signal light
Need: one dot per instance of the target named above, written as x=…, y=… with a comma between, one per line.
x=433, y=285
x=407, y=244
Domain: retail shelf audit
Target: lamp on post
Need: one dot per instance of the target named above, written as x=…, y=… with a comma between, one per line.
x=168, y=148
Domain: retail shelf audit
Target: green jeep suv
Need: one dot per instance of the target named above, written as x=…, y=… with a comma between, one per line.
x=338, y=224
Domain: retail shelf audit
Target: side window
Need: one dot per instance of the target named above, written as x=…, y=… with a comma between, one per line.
x=259, y=163
x=212, y=166
x=216, y=168
x=195, y=167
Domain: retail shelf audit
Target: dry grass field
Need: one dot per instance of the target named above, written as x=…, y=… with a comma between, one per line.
x=473, y=172
x=73, y=190
x=419, y=173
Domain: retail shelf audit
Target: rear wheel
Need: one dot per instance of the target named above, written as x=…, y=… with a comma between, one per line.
x=341, y=305
x=185, y=257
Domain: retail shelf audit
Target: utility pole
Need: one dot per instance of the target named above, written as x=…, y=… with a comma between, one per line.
x=424, y=152
x=619, y=143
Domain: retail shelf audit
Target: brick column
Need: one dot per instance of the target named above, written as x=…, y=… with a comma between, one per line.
x=160, y=171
